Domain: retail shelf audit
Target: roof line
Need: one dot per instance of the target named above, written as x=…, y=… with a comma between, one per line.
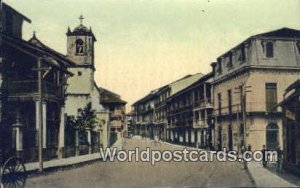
x=15, y=11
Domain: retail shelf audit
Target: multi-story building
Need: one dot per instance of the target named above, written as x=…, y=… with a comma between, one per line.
x=189, y=114
x=143, y=115
x=33, y=82
x=249, y=80
x=116, y=107
x=160, y=105
x=150, y=112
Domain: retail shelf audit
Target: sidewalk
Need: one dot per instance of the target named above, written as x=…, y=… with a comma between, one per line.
x=261, y=176
x=118, y=144
x=70, y=161
x=60, y=163
x=264, y=178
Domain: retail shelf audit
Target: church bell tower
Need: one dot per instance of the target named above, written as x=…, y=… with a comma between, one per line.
x=80, y=50
x=80, y=45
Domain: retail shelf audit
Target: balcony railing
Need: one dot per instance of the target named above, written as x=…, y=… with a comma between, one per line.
x=202, y=104
x=19, y=88
x=236, y=108
x=200, y=124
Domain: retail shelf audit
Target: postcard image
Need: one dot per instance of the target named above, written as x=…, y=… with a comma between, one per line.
x=149, y=93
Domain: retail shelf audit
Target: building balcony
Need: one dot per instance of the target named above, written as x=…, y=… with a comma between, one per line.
x=200, y=124
x=203, y=104
x=181, y=109
x=251, y=107
x=183, y=123
x=29, y=88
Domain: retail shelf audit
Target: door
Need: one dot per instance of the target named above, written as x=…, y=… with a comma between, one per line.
x=272, y=140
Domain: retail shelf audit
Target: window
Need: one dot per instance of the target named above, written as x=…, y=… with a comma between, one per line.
x=196, y=95
x=219, y=103
x=229, y=101
x=219, y=66
x=79, y=46
x=271, y=96
x=269, y=50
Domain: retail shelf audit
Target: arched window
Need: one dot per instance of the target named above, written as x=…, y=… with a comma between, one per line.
x=79, y=46
x=272, y=136
x=269, y=49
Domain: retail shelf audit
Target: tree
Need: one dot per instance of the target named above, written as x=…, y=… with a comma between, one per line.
x=85, y=120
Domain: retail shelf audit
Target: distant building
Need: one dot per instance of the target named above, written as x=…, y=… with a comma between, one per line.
x=128, y=130
x=189, y=114
x=143, y=116
x=249, y=80
x=116, y=107
x=150, y=112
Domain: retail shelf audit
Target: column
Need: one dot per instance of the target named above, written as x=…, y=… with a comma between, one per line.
x=44, y=124
x=89, y=139
x=168, y=132
x=204, y=136
x=172, y=136
x=199, y=138
x=181, y=138
x=18, y=128
x=192, y=137
x=37, y=122
x=186, y=136
x=61, y=139
x=205, y=97
x=77, y=141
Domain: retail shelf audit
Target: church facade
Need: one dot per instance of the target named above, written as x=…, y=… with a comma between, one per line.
x=83, y=92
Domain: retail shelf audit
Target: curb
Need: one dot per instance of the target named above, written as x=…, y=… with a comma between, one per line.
x=53, y=169
x=249, y=174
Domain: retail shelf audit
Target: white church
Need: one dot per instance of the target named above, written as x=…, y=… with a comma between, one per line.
x=82, y=88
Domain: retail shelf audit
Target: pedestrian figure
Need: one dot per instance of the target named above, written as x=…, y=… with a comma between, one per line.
x=249, y=148
x=243, y=149
x=264, y=156
x=279, y=159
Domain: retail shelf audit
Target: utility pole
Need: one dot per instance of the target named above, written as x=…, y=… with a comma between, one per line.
x=40, y=91
x=242, y=91
x=40, y=70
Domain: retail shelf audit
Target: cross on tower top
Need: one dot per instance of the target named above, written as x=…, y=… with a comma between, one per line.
x=81, y=18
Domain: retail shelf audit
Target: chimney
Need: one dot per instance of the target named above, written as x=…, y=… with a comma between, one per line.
x=213, y=66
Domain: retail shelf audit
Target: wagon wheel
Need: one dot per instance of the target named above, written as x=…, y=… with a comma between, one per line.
x=13, y=173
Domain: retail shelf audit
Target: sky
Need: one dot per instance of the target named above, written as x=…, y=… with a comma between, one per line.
x=145, y=44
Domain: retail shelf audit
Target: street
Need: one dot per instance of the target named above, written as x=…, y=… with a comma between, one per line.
x=143, y=174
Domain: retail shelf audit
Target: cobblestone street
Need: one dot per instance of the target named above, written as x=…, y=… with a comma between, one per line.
x=143, y=174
